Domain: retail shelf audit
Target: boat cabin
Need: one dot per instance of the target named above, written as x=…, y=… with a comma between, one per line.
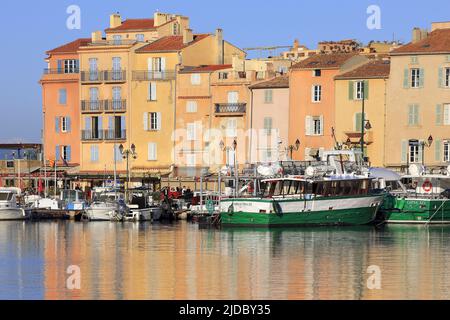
x=73, y=199
x=8, y=197
x=432, y=185
x=310, y=189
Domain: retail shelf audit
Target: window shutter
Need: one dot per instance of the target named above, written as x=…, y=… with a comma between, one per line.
x=366, y=89
x=153, y=96
x=60, y=66
x=416, y=114
x=321, y=125
x=145, y=121
x=150, y=64
x=438, y=150
x=404, y=151
x=307, y=154
x=92, y=153
x=68, y=124
x=100, y=123
x=406, y=79
x=57, y=125
x=351, y=88
x=87, y=124
x=441, y=77
x=447, y=114
x=163, y=64
x=410, y=114
x=159, y=121
x=421, y=77
x=308, y=120
x=57, y=152
x=152, y=151
x=439, y=114
x=358, y=122
x=77, y=65
x=420, y=150
x=123, y=123
x=69, y=153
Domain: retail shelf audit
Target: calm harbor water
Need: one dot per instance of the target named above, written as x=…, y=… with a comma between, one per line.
x=145, y=261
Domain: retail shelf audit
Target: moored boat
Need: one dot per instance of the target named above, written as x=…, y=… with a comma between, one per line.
x=106, y=206
x=9, y=208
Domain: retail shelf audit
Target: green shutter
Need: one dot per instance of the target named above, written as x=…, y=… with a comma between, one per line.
x=366, y=89
x=421, y=147
x=410, y=114
x=404, y=151
x=441, y=77
x=358, y=122
x=438, y=150
x=421, y=77
x=351, y=87
x=406, y=79
x=416, y=114
x=439, y=114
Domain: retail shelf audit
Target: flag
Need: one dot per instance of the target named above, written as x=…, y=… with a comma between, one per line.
x=52, y=163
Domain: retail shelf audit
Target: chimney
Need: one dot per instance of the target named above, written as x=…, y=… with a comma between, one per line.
x=220, y=47
x=97, y=36
x=188, y=37
x=440, y=25
x=419, y=34
x=115, y=20
x=296, y=44
x=160, y=18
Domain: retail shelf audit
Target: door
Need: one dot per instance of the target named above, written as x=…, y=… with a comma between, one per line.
x=93, y=94
x=93, y=69
x=117, y=68
x=117, y=98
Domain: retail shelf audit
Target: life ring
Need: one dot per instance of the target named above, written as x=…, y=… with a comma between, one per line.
x=427, y=186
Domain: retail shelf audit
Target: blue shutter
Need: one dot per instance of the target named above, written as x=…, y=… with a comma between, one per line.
x=57, y=126
x=69, y=153
x=77, y=66
x=421, y=77
x=60, y=66
x=57, y=152
x=62, y=96
x=406, y=79
x=123, y=123
x=87, y=123
x=69, y=124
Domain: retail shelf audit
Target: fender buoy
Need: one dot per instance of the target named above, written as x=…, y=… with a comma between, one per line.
x=427, y=186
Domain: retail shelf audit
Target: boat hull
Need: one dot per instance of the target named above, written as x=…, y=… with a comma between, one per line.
x=13, y=214
x=417, y=211
x=300, y=213
x=104, y=214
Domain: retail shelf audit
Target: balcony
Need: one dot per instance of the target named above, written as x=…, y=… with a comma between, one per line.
x=92, y=106
x=113, y=106
x=154, y=75
x=115, y=135
x=230, y=109
x=91, y=135
x=60, y=74
x=91, y=77
x=62, y=71
x=115, y=76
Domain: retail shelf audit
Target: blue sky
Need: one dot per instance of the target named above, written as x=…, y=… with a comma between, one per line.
x=31, y=27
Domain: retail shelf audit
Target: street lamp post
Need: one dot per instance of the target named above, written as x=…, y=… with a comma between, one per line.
x=126, y=154
x=236, y=176
x=427, y=144
x=294, y=147
x=365, y=124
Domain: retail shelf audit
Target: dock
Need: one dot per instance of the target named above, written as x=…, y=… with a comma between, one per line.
x=44, y=214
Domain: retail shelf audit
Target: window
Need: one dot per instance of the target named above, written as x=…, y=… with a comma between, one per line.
x=152, y=151
x=64, y=124
x=359, y=88
x=447, y=77
x=413, y=115
x=65, y=153
x=191, y=107
x=117, y=40
x=93, y=69
x=317, y=93
x=415, y=78
x=71, y=66
x=117, y=68
x=268, y=96
x=195, y=79
x=140, y=38
x=317, y=73
x=447, y=114
x=117, y=156
x=94, y=154
x=176, y=29
x=268, y=126
x=152, y=91
x=223, y=75
x=231, y=128
x=117, y=98
x=191, y=132
x=414, y=60
x=191, y=160
x=414, y=151
x=233, y=97
x=154, y=120
x=62, y=96
x=446, y=151
x=317, y=126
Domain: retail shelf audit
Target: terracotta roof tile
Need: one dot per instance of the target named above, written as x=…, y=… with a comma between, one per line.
x=134, y=24
x=206, y=68
x=71, y=47
x=372, y=70
x=278, y=82
x=437, y=41
x=324, y=61
x=170, y=43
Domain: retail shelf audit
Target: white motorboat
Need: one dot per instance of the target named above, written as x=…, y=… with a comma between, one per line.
x=142, y=207
x=9, y=209
x=107, y=206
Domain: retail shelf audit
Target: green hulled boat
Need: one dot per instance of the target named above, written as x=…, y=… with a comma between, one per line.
x=425, y=199
x=299, y=201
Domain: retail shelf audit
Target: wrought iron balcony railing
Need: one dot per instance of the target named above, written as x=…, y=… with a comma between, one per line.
x=115, y=76
x=154, y=75
x=62, y=71
x=115, y=106
x=92, y=76
x=115, y=135
x=92, y=105
x=231, y=108
x=91, y=135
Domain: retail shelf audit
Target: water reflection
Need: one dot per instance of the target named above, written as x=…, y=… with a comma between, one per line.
x=144, y=261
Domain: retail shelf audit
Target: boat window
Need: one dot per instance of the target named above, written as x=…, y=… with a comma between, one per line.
x=6, y=196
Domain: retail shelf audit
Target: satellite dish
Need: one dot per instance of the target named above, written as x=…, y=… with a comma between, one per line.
x=416, y=170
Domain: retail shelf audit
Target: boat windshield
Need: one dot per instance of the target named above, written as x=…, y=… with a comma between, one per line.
x=71, y=195
x=5, y=196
